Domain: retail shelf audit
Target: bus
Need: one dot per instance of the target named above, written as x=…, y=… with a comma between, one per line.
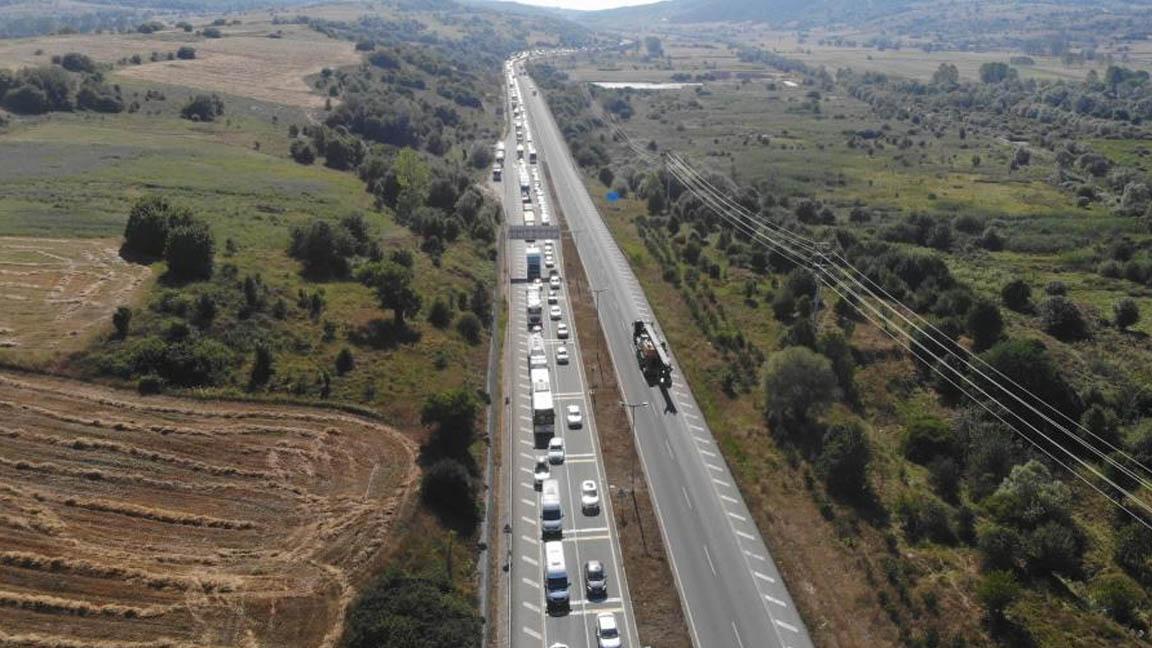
x=535, y=308
x=537, y=357
x=543, y=409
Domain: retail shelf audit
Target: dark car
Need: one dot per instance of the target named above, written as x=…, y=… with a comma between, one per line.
x=595, y=580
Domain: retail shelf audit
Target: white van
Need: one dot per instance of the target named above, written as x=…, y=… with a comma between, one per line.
x=555, y=576
x=551, y=513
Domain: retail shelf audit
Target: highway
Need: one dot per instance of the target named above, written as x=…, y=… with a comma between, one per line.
x=731, y=591
x=586, y=536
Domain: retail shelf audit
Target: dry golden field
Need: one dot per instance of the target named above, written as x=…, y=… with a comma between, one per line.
x=133, y=521
x=56, y=292
x=244, y=63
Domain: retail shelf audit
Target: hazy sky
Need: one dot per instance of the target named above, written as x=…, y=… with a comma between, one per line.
x=586, y=4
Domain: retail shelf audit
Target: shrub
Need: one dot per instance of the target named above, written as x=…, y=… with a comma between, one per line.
x=149, y=385
x=797, y=383
x=345, y=361
x=120, y=320
x=469, y=327
x=186, y=53
x=1133, y=551
x=926, y=438
x=302, y=152
x=1119, y=597
x=944, y=475
x=925, y=518
x=999, y=547
x=204, y=108
x=414, y=612
x=996, y=592
x=984, y=324
x=1063, y=319
x=844, y=459
x=212, y=32
x=1126, y=312
x=263, y=366
x=440, y=314
x=1016, y=295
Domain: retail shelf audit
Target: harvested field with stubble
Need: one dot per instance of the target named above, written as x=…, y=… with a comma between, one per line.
x=132, y=521
x=245, y=63
x=56, y=292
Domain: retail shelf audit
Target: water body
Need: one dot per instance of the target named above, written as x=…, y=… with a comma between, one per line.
x=643, y=85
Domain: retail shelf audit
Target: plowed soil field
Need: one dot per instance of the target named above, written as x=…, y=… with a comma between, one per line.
x=134, y=521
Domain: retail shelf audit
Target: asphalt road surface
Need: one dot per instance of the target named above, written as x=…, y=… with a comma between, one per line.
x=730, y=588
x=586, y=536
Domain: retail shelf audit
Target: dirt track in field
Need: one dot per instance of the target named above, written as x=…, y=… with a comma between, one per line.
x=57, y=291
x=133, y=521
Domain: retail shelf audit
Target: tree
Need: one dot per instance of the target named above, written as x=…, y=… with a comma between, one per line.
x=844, y=459
x=1054, y=547
x=984, y=324
x=1030, y=496
x=212, y=32
x=190, y=251
x=653, y=46
x=345, y=362
x=413, y=180
x=1017, y=295
x=1127, y=313
x=480, y=302
x=946, y=76
x=480, y=157
x=450, y=491
x=186, y=53
x=263, y=366
x=452, y=414
x=302, y=152
x=149, y=221
x=121, y=320
x=996, y=72
x=999, y=547
x=203, y=108
x=798, y=383
x=394, y=290
x=1063, y=319
x=606, y=176
x=996, y=592
x=76, y=62
x=27, y=100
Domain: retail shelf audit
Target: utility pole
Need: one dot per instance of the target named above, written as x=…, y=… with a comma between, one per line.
x=632, y=407
x=596, y=299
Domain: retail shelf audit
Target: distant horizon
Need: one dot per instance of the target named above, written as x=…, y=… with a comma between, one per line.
x=585, y=5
